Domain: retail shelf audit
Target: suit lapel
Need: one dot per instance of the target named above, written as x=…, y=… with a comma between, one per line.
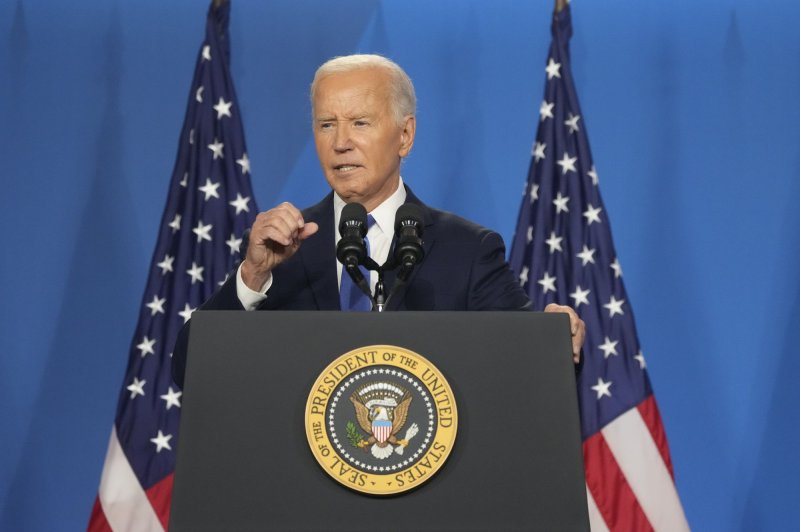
x=428, y=240
x=318, y=255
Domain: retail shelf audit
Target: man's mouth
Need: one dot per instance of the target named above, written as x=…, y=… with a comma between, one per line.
x=345, y=167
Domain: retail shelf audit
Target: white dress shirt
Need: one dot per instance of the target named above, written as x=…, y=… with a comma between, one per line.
x=380, y=237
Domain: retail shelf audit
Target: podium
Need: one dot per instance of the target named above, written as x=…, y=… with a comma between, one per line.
x=244, y=462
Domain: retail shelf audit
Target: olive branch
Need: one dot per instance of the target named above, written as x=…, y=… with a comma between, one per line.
x=353, y=434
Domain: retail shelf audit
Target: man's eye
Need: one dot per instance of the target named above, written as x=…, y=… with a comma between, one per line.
x=326, y=125
x=360, y=123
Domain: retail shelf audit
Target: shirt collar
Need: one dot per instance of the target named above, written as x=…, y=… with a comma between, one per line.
x=384, y=213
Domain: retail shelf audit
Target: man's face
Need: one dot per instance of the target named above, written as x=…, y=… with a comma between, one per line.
x=359, y=144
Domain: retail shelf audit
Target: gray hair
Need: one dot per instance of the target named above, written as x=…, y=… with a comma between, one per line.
x=403, y=99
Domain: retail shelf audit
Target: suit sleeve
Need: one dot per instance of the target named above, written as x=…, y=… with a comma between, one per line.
x=493, y=285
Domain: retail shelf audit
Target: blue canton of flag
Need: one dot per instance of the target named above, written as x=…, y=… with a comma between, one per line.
x=209, y=206
x=563, y=253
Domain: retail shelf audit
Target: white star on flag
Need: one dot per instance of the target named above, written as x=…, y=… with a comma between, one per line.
x=216, y=147
x=185, y=181
x=640, y=358
x=202, y=231
x=580, y=296
x=547, y=282
x=617, y=268
x=534, y=193
x=572, y=123
x=608, y=347
x=602, y=388
x=156, y=305
x=162, y=441
x=166, y=264
x=538, y=151
x=186, y=313
x=244, y=162
x=136, y=387
x=196, y=273
x=234, y=243
x=552, y=69
x=592, y=214
x=593, y=174
x=207, y=53
x=175, y=224
x=545, y=111
x=554, y=242
x=146, y=346
x=523, y=276
x=561, y=203
x=240, y=203
x=567, y=163
x=198, y=95
x=210, y=189
x=223, y=108
x=614, y=307
x=586, y=255
x=172, y=398
x=530, y=233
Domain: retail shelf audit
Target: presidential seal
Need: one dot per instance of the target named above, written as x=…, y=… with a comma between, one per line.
x=381, y=419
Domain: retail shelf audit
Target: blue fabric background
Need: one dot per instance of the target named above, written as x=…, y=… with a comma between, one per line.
x=692, y=111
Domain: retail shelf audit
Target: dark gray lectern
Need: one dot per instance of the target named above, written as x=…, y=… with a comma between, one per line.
x=244, y=462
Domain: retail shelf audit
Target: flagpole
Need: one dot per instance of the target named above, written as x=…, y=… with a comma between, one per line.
x=560, y=5
x=218, y=3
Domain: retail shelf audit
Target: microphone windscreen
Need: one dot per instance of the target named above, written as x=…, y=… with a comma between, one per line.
x=408, y=214
x=353, y=215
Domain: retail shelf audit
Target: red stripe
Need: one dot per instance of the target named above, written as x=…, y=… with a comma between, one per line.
x=611, y=491
x=98, y=522
x=648, y=409
x=160, y=496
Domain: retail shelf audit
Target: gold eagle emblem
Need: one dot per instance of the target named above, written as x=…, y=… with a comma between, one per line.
x=381, y=410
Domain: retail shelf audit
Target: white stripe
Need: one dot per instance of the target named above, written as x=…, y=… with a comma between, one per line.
x=640, y=461
x=596, y=521
x=124, y=502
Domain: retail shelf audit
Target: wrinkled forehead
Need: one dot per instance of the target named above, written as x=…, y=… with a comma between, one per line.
x=358, y=91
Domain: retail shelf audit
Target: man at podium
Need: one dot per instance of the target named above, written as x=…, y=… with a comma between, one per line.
x=364, y=121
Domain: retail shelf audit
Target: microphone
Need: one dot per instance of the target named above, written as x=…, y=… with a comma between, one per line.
x=351, y=249
x=408, y=227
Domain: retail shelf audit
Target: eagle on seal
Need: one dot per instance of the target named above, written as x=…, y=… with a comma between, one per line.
x=381, y=411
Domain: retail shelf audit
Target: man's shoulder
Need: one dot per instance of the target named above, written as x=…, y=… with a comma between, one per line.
x=457, y=227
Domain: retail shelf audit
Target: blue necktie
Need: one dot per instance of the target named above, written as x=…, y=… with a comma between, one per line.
x=351, y=297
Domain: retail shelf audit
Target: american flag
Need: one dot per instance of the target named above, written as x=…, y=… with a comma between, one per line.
x=563, y=253
x=209, y=206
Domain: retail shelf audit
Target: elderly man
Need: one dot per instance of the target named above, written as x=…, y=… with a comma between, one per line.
x=364, y=122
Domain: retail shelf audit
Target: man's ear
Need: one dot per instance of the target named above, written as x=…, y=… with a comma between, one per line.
x=407, y=135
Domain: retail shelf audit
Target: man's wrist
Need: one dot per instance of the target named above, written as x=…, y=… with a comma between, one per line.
x=249, y=298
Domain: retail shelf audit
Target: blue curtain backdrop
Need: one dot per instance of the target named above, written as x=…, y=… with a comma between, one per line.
x=692, y=110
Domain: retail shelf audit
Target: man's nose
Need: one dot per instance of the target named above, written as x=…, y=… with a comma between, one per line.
x=341, y=140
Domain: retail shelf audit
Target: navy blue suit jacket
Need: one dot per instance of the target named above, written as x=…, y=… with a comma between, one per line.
x=464, y=268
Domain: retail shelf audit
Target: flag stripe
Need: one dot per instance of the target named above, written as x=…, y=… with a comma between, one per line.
x=124, y=503
x=160, y=497
x=640, y=461
x=98, y=523
x=596, y=521
x=609, y=488
x=648, y=409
